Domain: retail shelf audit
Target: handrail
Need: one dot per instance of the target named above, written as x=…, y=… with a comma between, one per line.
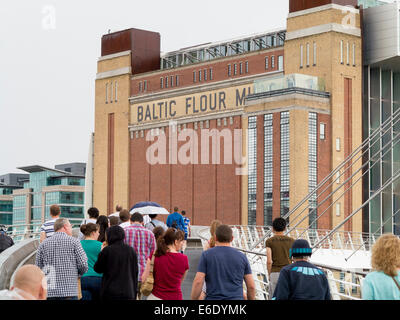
x=348, y=179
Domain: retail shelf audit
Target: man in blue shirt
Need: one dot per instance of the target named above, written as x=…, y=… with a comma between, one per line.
x=223, y=268
x=175, y=220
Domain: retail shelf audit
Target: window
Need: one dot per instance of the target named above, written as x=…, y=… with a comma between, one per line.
x=280, y=63
x=235, y=69
x=273, y=62
x=241, y=68
x=268, y=168
x=106, y=92
x=252, y=171
x=200, y=76
x=229, y=70
x=172, y=81
x=348, y=53
x=312, y=168
x=211, y=74
x=266, y=63
x=301, y=56
x=144, y=85
x=166, y=82
x=315, y=54
x=205, y=74
x=194, y=76
x=247, y=67
x=285, y=150
x=161, y=83
x=322, y=127
x=177, y=80
x=308, y=55
x=341, y=51
x=140, y=86
x=354, y=54
x=116, y=91
x=111, y=92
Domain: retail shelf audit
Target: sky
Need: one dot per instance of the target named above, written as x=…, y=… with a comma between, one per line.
x=48, y=60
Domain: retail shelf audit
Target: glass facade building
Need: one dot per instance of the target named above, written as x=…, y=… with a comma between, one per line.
x=381, y=102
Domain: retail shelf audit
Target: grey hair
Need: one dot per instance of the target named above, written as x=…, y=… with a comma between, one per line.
x=60, y=223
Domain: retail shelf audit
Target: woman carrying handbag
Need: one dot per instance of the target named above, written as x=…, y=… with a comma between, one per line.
x=169, y=268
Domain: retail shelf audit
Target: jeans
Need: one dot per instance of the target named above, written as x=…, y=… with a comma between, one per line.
x=90, y=287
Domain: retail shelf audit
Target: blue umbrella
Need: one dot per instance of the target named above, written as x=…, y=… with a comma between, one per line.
x=148, y=207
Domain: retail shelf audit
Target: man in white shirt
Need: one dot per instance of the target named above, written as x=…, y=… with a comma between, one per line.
x=118, y=209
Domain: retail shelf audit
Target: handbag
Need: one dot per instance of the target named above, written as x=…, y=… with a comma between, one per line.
x=147, y=286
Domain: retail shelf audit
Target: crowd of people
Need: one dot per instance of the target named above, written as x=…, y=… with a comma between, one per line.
x=126, y=256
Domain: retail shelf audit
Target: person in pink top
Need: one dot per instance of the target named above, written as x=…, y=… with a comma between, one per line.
x=170, y=266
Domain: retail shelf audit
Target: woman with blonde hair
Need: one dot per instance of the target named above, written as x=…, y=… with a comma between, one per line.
x=211, y=242
x=384, y=282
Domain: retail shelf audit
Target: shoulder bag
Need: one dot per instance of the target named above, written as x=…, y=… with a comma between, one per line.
x=147, y=286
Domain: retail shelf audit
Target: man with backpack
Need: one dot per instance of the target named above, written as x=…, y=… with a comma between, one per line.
x=155, y=223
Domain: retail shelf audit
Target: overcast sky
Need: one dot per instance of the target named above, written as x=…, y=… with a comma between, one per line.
x=48, y=55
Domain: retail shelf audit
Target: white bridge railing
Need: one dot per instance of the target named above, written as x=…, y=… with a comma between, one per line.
x=345, y=283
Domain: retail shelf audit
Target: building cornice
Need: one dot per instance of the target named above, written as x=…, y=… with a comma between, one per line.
x=323, y=8
x=200, y=88
x=330, y=27
x=115, y=55
x=114, y=73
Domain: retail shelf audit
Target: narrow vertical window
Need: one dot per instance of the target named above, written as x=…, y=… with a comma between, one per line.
x=145, y=85
x=106, y=92
x=205, y=74
x=111, y=92
x=241, y=68
x=166, y=82
x=177, y=80
x=161, y=83
x=354, y=54
x=273, y=62
x=172, y=81
x=266, y=63
x=301, y=56
x=116, y=92
x=315, y=54
x=200, y=78
x=247, y=67
x=280, y=63
x=229, y=70
x=194, y=76
x=235, y=69
x=308, y=55
x=341, y=51
x=252, y=171
x=211, y=74
x=348, y=53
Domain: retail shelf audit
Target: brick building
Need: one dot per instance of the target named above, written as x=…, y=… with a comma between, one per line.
x=238, y=130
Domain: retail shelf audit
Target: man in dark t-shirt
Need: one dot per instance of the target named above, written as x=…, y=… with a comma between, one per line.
x=302, y=280
x=278, y=248
x=223, y=268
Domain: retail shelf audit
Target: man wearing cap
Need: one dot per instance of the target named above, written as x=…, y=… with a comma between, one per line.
x=301, y=280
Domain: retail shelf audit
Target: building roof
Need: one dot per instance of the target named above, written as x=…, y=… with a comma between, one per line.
x=37, y=168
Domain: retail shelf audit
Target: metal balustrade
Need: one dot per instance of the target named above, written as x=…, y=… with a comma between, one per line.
x=345, y=284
